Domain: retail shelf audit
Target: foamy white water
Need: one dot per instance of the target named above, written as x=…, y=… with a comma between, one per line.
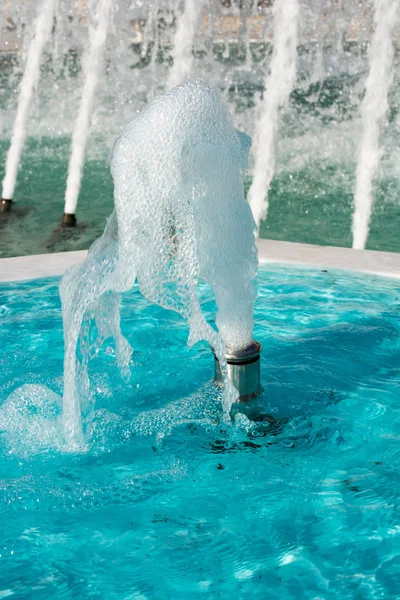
x=182, y=52
x=100, y=13
x=42, y=32
x=180, y=216
x=373, y=111
x=279, y=84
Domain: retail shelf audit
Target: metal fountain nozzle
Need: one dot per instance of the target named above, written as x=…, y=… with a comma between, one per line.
x=5, y=205
x=68, y=220
x=243, y=370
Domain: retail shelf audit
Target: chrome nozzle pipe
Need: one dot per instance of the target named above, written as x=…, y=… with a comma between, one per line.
x=243, y=370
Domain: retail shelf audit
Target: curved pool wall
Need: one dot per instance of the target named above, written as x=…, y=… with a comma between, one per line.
x=386, y=264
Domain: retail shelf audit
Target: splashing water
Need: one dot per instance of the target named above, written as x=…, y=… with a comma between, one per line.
x=180, y=216
x=183, y=43
x=42, y=32
x=373, y=111
x=101, y=12
x=279, y=85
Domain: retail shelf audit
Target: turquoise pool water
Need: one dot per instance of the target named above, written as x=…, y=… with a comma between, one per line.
x=168, y=501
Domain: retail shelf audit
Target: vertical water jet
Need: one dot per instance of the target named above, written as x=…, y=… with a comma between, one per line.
x=100, y=14
x=182, y=52
x=30, y=78
x=250, y=18
x=373, y=111
x=278, y=86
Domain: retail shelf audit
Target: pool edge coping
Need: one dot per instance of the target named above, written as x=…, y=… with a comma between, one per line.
x=373, y=262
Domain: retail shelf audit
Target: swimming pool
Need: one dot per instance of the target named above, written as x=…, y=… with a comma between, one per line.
x=169, y=502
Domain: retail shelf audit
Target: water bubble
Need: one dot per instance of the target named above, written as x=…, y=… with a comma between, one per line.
x=3, y=310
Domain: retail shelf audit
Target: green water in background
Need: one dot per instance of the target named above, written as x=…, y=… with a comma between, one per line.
x=312, y=205
x=40, y=188
x=311, y=194
x=304, y=208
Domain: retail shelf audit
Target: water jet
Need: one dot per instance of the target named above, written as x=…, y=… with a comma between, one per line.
x=98, y=29
x=42, y=32
x=187, y=222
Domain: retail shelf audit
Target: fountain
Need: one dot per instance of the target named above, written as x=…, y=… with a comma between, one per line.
x=180, y=216
x=133, y=464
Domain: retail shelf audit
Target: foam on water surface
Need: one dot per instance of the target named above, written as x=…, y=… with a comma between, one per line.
x=180, y=217
x=30, y=421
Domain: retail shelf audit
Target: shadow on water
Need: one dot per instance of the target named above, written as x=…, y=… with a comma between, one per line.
x=306, y=378
x=62, y=236
x=326, y=365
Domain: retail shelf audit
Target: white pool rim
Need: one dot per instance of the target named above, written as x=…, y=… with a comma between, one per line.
x=386, y=264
